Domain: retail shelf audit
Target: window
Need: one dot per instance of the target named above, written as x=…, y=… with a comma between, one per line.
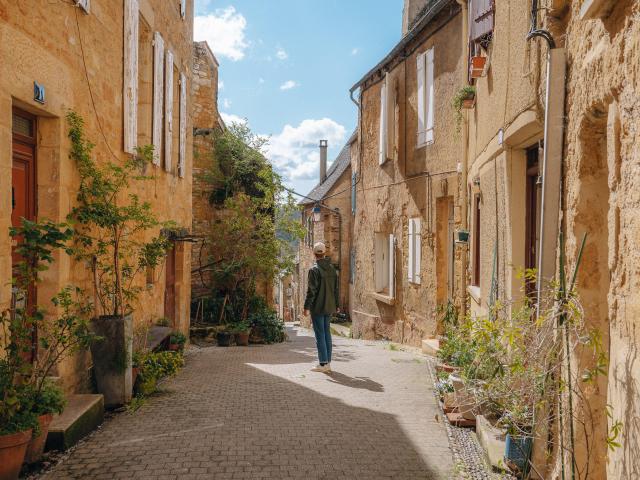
x=481, y=13
x=415, y=250
x=591, y=9
x=476, y=241
x=532, y=213
x=354, y=179
x=384, y=271
x=425, y=97
x=387, y=120
x=168, y=110
x=183, y=9
x=309, y=231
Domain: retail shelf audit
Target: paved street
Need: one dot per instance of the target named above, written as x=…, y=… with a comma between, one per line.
x=259, y=412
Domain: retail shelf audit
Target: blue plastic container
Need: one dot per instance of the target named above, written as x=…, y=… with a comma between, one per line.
x=518, y=451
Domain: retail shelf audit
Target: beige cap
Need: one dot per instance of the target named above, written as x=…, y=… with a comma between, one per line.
x=319, y=248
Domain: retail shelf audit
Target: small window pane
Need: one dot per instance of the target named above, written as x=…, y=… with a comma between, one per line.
x=22, y=125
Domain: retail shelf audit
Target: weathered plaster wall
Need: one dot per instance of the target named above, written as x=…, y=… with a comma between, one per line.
x=407, y=186
x=41, y=41
x=602, y=200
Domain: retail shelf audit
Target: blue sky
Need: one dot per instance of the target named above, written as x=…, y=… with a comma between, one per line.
x=287, y=66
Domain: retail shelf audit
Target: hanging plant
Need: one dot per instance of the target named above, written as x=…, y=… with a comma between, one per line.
x=464, y=98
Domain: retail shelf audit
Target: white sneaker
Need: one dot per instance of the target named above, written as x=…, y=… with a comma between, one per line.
x=328, y=367
x=321, y=368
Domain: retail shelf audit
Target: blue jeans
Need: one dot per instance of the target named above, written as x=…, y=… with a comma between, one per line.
x=322, y=329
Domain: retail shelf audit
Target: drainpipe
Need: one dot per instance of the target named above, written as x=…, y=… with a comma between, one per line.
x=464, y=168
x=323, y=161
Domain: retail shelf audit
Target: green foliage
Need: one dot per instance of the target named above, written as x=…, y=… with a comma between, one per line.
x=112, y=226
x=465, y=93
x=178, y=338
x=16, y=403
x=240, y=327
x=250, y=238
x=50, y=399
x=266, y=324
x=156, y=365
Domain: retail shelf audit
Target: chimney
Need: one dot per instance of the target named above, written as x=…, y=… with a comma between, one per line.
x=409, y=13
x=323, y=160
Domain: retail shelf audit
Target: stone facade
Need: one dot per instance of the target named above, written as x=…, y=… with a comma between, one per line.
x=78, y=58
x=334, y=228
x=206, y=120
x=407, y=204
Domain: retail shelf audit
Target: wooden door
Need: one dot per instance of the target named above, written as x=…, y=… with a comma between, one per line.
x=23, y=194
x=532, y=216
x=170, y=287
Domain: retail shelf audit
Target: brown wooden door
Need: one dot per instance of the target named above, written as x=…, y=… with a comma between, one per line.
x=23, y=193
x=170, y=287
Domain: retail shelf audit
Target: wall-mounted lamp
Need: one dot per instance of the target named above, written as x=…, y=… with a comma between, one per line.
x=317, y=213
x=476, y=181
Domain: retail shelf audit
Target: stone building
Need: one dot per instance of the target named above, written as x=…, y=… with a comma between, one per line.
x=331, y=200
x=407, y=207
x=125, y=67
x=206, y=121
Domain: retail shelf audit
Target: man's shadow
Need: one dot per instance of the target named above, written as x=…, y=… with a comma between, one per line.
x=356, y=382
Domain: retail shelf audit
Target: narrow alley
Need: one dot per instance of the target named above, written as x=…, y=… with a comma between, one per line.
x=259, y=413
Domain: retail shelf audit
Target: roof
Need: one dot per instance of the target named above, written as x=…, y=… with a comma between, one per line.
x=338, y=167
x=430, y=10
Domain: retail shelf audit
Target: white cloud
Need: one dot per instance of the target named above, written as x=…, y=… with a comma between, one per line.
x=230, y=118
x=224, y=31
x=261, y=80
x=289, y=84
x=220, y=85
x=226, y=103
x=282, y=54
x=294, y=151
x=355, y=51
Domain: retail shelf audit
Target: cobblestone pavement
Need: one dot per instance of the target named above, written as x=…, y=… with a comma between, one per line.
x=258, y=412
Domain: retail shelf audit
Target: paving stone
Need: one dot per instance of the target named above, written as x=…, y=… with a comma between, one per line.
x=259, y=412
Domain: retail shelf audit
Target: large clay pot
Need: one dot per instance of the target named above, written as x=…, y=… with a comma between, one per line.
x=12, y=450
x=36, y=445
x=242, y=339
x=112, y=357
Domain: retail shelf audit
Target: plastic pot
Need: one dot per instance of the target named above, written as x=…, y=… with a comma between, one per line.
x=224, y=339
x=518, y=451
x=13, y=448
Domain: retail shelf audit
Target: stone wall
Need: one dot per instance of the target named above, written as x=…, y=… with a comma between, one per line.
x=78, y=58
x=416, y=182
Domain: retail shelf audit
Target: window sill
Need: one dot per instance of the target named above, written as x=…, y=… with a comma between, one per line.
x=475, y=293
x=383, y=298
x=423, y=145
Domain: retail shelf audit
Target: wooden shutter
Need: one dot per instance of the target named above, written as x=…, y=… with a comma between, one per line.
x=390, y=113
x=130, y=93
x=183, y=8
x=411, y=254
x=379, y=261
x=429, y=93
x=420, y=69
x=382, y=147
x=392, y=266
x=183, y=125
x=354, y=177
x=85, y=5
x=417, y=249
x=168, y=110
x=158, y=95
x=480, y=18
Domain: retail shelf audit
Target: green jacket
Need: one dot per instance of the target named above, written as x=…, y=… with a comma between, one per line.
x=322, y=292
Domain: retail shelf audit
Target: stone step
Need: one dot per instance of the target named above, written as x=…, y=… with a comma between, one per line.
x=492, y=440
x=82, y=415
x=430, y=346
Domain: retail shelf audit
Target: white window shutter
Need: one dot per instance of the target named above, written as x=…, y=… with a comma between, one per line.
x=392, y=265
x=168, y=110
x=417, y=249
x=85, y=5
x=390, y=121
x=411, y=261
x=183, y=125
x=382, y=147
x=158, y=95
x=130, y=93
x=430, y=97
x=183, y=8
x=422, y=128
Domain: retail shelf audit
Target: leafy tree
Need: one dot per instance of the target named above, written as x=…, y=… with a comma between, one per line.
x=111, y=223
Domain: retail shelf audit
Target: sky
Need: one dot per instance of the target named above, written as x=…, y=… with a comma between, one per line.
x=286, y=66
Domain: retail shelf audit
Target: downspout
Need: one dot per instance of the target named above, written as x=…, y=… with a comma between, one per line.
x=465, y=157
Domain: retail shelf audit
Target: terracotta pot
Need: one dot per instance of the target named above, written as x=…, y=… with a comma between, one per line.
x=242, y=339
x=174, y=347
x=36, y=445
x=477, y=66
x=468, y=102
x=12, y=450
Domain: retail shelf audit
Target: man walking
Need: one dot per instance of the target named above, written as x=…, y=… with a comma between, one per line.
x=322, y=302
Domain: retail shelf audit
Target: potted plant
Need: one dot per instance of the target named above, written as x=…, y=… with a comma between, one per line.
x=224, y=337
x=47, y=402
x=177, y=341
x=242, y=331
x=477, y=66
x=109, y=228
x=464, y=98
